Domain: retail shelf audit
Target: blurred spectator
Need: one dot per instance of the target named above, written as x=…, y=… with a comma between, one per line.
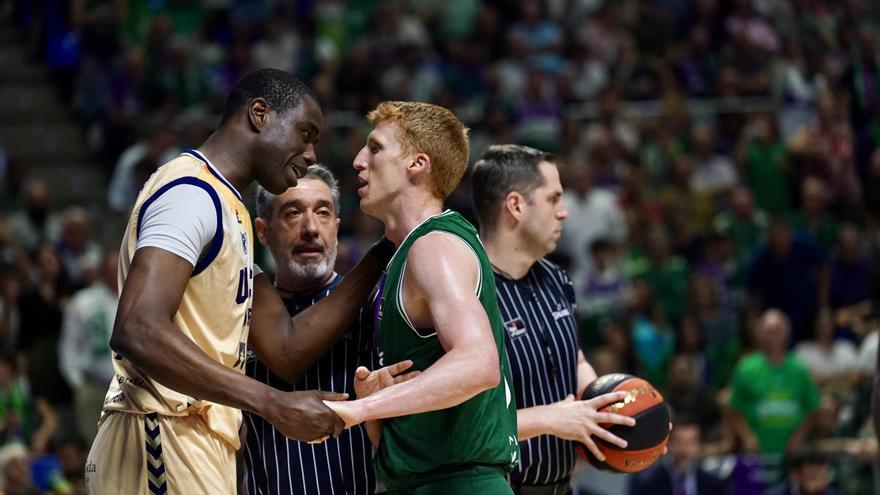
x=15, y=471
x=832, y=363
x=593, y=214
x=863, y=76
x=603, y=291
x=764, y=160
x=689, y=399
x=159, y=145
x=824, y=149
x=537, y=112
x=868, y=355
x=84, y=347
x=697, y=65
x=743, y=223
x=23, y=418
x=10, y=319
x=678, y=195
x=41, y=307
x=813, y=221
x=714, y=173
x=279, y=48
x=772, y=393
x=679, y=472
x=542, y=37
x=35, y=223
x=799, y=81
x=852, y=279
x=79, y=254
x=653, y=339
x=606, y=160
x=718, y=326
x=624, y=136
x=790, y=275
x=666, y=275
x=809, y=474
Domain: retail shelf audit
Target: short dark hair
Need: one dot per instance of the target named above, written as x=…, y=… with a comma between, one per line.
x=281, y=90
x=504, y=168
x=316, y=171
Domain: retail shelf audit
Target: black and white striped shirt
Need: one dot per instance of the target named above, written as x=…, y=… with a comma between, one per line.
x=340, y=466
x=542, y=346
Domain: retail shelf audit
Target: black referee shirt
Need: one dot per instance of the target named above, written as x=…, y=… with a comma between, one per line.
x=339, y=466
x=542, y=346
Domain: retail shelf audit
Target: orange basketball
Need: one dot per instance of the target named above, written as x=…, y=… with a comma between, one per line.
x=645, y=440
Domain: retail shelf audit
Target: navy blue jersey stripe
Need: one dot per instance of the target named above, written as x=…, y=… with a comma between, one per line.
x=198, y=154
x=217, y=242
x=278, y=465
x=542, y=346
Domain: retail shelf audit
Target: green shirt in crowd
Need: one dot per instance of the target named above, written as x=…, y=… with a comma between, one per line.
x=767, y=180
x=774, y=399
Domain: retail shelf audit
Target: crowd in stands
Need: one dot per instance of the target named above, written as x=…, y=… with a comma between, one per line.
x=721, y=160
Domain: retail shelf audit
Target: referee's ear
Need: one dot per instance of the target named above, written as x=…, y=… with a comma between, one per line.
x=514, y=205
x=262, y=228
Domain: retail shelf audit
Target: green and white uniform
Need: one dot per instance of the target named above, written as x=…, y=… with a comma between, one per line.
x=463, y=449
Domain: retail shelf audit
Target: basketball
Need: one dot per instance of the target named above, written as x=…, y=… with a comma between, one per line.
x=646, y=440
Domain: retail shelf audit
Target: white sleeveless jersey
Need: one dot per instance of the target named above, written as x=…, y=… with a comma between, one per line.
x=215, y=310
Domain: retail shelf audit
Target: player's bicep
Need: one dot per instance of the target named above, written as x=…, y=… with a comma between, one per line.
x=445, y=274
x=268, y=314
x=153, y=289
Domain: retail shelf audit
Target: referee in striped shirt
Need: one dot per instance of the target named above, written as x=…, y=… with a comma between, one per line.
x=299, y=227
x=518, y=200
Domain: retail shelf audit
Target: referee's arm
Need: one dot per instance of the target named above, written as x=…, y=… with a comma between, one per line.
x=574, y=419
x=585, y=373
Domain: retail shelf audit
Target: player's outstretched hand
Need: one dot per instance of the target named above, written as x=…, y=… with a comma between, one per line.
x=368, y=382
x=580, y=420
x=303, y=416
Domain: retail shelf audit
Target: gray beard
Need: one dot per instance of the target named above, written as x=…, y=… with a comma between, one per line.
x=314, y=271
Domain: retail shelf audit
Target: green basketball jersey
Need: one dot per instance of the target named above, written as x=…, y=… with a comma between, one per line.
x=479, y=431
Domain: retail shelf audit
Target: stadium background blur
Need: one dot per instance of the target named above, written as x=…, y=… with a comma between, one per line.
x=720, y=157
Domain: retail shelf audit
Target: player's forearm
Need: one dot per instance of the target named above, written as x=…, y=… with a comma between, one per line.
x=532, y=422
x=453, y=379
x=169, y=357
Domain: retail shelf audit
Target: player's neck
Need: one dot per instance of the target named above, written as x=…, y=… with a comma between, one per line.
x=509, y=255
x=405, y=214
x=228, y=158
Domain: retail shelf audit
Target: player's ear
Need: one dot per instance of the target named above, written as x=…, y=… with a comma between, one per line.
x=258, y=113
x=262, y=229
x=421, y=163
x=419, y=166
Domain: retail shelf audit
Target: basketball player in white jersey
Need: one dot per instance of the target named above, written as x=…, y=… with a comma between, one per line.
x=191, y=304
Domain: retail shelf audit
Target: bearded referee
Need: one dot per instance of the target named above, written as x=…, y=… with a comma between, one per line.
x=299, y=227
x=518, y=200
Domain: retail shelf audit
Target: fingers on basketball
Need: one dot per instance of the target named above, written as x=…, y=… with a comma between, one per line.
x=586, y=440
x=606, y=399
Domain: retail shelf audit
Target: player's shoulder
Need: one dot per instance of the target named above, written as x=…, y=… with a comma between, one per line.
x=434, y=252
x=185, y=169
x=440, y=243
